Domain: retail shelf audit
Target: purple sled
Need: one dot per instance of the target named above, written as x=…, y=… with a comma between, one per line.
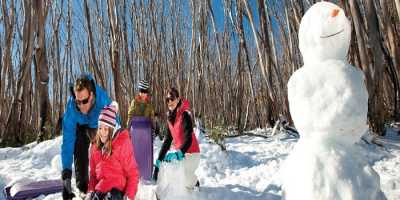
x=142, y=141
x=34, y=189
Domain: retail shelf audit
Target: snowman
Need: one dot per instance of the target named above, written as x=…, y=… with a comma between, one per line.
x=328, y=103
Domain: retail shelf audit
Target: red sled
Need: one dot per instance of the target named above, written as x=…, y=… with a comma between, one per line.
x=30, y=190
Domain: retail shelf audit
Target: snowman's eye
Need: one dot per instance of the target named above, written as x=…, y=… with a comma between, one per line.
x=335, y=12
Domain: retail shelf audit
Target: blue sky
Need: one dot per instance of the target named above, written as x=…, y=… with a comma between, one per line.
x=79, y=34
x=80, y=38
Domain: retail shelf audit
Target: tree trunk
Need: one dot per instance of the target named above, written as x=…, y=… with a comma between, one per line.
x=40, y=13
x=14, y=116
x=128, y=66
x=265, y=67
x=6, y=62
x=92, y=48
x=356, y=16
x=114, y=53
x=398, y=7
x=394, y=54
x=376, y=106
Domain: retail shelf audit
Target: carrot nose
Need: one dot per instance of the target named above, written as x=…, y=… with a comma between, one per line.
x=335, y=12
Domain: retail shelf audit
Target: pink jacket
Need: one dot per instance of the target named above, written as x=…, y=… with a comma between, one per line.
x=118, y=170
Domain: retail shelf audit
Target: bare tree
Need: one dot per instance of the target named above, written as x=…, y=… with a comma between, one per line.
x=93, y=60
x=8, y=16
x=40, y=10
x=234, y=71
x=376, y=107
x=13, y=120
x=114, y=21
x=398, y=7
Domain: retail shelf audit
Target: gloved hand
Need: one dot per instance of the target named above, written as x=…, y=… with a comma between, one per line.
x=67, y=193
x=155, y=174
x=178, y=155
x=156, y=169
x=98, y=195
x=89, y=196
x=157, y=164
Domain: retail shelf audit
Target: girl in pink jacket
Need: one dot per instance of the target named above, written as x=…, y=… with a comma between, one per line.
x=113, y=168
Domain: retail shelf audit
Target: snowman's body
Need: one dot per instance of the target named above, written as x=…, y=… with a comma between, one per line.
x=328, y=103
x=324, y=170
x=329, y=98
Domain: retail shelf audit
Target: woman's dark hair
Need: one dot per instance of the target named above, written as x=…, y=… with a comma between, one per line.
x=173, y=92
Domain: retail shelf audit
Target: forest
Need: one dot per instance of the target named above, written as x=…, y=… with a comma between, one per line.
x=230, y=58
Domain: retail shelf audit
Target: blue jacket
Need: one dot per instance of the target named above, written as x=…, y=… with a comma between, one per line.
x=73, y=117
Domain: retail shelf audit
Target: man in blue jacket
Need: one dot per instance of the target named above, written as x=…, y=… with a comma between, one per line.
x=79, y=128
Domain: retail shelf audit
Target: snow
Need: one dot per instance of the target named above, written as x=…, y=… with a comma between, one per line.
x=333, y=95
x=175, y=189
x=318, y=171
x=249, y=169
x=388, y=165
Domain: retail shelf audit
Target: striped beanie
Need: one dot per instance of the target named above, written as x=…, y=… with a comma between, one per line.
x=144, y=85
x=108, y=115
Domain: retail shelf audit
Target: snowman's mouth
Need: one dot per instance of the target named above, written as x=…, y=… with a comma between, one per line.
x=331, y=35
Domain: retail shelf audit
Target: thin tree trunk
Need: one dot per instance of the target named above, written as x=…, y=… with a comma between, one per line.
x=41, y=9
x=265, y=67
x=128, y=65
x=57, y=75
x=394, y=54
x=240, y=63
x=398, y=7
x=356, y=16
x=14, y=116
x=114, y=52
x=376, y=111
x=290, y=40
x=93, y=59
x=215, y=33
x=8, y=16
x=266, y=73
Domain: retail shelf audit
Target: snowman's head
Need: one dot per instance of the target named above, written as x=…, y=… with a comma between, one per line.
x=324, y=33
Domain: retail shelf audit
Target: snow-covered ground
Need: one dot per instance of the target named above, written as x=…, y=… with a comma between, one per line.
x=249, y=169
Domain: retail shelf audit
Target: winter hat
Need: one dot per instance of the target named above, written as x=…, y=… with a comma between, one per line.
x=108, y=115
x=144, y=85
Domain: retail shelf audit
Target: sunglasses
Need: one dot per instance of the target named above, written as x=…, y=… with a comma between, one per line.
x=82, y=102
x=168, y=99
